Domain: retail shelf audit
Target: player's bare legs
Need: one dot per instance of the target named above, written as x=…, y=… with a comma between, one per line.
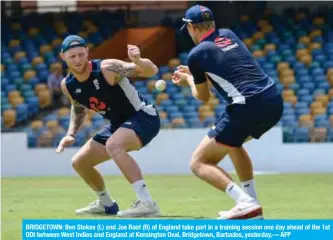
x=215, y=160
x=93, y=153
x=243, y=165
x=90, y=154
x=118, y=145
x=84, y=162
x=204, y=165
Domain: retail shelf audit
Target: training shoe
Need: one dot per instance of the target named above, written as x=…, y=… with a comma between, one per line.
x=141, y=209
x=98, y=208
x=243, y=210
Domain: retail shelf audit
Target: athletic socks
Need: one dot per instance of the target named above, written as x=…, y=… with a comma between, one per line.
x=141, y=191
x=104, y=198
x=237, y=193
x=249, y=188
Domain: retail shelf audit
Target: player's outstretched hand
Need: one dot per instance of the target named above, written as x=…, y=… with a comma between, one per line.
x=65, y=142
x=133, y=53
x=180, y=78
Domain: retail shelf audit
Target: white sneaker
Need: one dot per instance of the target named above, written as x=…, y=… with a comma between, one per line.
x=141, y=209
x=243, y=210
x=98, y=208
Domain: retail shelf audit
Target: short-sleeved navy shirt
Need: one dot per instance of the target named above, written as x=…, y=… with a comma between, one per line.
x=116, y=103
x=226, y=61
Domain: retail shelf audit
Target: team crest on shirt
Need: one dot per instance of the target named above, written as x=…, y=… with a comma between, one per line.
x=225, y=43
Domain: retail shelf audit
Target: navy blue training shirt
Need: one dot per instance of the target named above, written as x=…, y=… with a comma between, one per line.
x=116, y=103
x=226, y=61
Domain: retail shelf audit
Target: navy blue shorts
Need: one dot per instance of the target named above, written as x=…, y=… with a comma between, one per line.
x=145, y=126
x=253, y=119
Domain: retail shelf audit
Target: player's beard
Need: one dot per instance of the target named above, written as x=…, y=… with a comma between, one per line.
x=82, y=71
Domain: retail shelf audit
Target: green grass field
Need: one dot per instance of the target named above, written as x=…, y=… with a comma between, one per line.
x=301, y=196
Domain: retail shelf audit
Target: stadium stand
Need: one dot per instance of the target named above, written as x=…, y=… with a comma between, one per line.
x=29, y=53
x=295, y=48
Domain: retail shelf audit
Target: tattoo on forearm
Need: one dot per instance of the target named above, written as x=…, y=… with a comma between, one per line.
x=78, y=113
x=123, y=69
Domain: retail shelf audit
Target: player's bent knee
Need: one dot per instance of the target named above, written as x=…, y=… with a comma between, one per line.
x=196, y=162
x=195, y=167
x=197, y=157
x=114, y=149
x=78, y=163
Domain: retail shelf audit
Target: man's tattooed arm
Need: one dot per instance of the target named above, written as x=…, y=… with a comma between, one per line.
x=114, y=69
x=78, y=113
x=121, y=68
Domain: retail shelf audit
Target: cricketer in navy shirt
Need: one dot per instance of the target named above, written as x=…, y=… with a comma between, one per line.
x=229, y=65
x=255, y=105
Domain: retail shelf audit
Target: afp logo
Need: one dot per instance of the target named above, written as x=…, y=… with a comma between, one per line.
x=285, y=234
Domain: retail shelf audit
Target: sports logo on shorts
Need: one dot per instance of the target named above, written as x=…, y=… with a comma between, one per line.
x=97, y=105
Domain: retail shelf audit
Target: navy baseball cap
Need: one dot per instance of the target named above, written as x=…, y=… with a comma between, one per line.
x=197, y=14
x=72, y=41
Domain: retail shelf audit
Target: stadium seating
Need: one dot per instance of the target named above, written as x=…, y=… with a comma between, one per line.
x=30, y=47
x=298, y=54
x=294, y=48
